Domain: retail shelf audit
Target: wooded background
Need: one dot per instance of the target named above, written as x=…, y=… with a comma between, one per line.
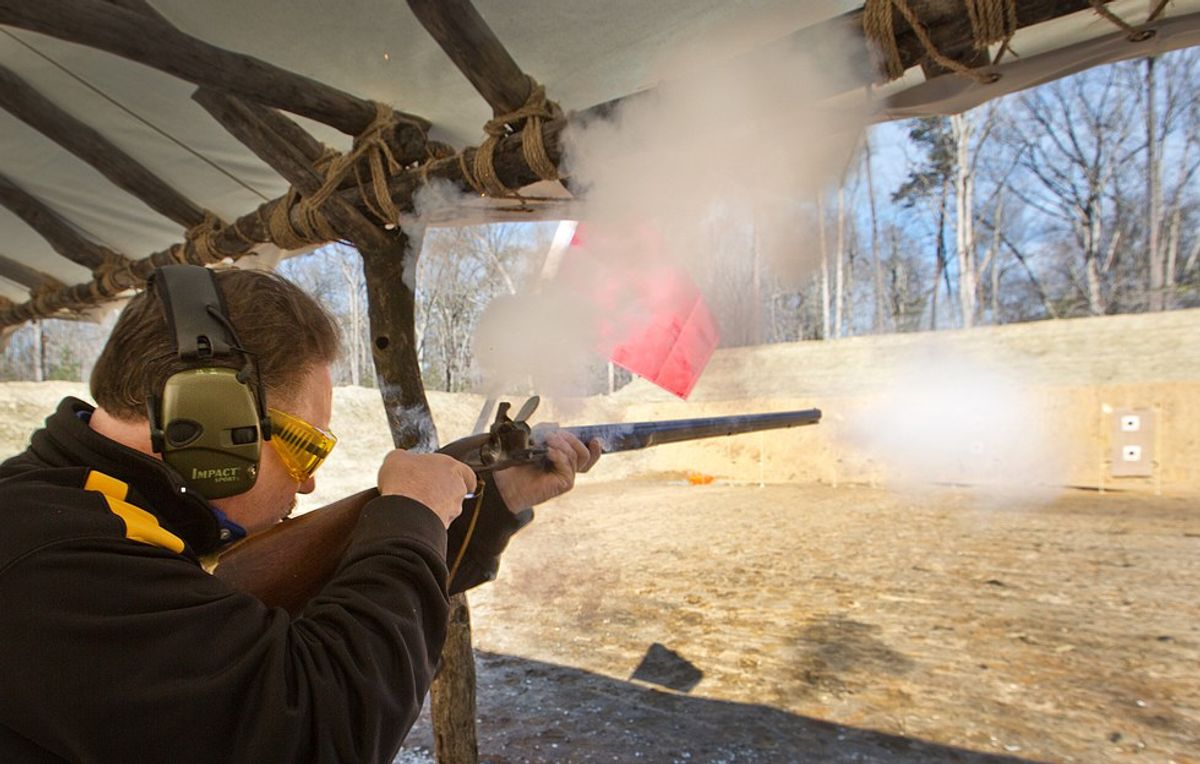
x=1079, y=197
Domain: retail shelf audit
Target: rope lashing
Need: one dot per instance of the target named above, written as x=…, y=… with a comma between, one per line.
x=434, y=150
x=480, y=171
x=991, y=21
x=1132, y=33
x=106, y=281
x=45, y=300
x=298, y=220
x=199, y=247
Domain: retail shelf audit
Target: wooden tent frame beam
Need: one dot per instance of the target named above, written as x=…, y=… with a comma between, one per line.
x=291, y=152
x=469, y=42
x=25, y=103
x=146, y=39
x=60, y=234
x=240, y=237
x=30, y=278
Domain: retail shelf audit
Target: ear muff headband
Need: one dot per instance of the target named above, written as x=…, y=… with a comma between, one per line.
x=207, y=423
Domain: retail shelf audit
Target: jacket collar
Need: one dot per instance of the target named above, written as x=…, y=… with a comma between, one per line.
x=69, y=441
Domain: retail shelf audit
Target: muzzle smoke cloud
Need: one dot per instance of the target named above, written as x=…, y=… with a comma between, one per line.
x=945, y=419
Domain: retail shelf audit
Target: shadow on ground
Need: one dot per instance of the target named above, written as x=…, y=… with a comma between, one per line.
x=536, y=712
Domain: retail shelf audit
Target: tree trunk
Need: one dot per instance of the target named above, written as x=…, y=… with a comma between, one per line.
x=1154, y=252
x=941, y=258
x=354, y=331
x=1173, y=231
x=839, y=290
x=39, y=352
x=826, y=317
x=876, y=262
x=1091, y=261
x=964, y=218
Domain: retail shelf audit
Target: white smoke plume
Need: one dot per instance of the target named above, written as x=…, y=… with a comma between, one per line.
x=945, y=419
x=717, y=159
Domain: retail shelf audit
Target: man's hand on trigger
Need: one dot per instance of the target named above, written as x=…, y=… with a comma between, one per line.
x=531, y=484
x=438, y=481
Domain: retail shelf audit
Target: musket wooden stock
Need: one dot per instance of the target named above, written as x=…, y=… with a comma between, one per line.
x=286, y=565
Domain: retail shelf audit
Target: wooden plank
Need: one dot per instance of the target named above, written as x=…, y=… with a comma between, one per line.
x=290, y=151
x=146, y=39
x=470, y=43
x=60, y=234
x=31, y=107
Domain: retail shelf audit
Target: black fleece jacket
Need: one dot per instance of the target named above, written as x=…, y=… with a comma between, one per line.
x=116, y=646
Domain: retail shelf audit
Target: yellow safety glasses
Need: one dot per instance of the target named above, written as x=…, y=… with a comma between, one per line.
x=301, y=447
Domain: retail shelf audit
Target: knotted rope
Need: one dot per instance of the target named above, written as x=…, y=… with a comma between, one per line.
x=480, y=171
x=198, y=247
x=991, y=21
x=45, y=300
x=309, y=225
x=106, y=277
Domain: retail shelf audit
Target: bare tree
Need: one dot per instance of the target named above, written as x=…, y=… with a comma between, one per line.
x=460, y=272
x=878, y=324
x=1154, y=253
x=1074, y=138
x=928, y=183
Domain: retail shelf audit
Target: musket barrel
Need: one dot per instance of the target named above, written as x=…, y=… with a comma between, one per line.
x=634, y=435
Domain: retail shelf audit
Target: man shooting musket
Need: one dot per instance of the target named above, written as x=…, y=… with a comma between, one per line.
x=214, y=400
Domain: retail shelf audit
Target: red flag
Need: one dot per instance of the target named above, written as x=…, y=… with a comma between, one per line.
x=654, y=322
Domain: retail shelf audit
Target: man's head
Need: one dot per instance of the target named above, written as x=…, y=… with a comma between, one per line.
x=293, y=340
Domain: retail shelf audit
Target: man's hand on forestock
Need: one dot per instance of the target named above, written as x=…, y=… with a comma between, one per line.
x=531, y=484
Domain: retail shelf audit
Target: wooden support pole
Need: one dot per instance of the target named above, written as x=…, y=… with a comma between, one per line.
x=391, y=300
x=452, y=697
x=31, y=107
x=290, y=151
x=145, y=38
x=60, y=234
x=470, y=43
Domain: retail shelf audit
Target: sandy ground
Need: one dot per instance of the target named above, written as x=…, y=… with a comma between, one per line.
x=669, y=623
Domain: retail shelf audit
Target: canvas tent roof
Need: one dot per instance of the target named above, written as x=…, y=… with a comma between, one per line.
x=584, y=52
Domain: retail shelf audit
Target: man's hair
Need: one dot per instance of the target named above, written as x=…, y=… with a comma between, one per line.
x=288, y=332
